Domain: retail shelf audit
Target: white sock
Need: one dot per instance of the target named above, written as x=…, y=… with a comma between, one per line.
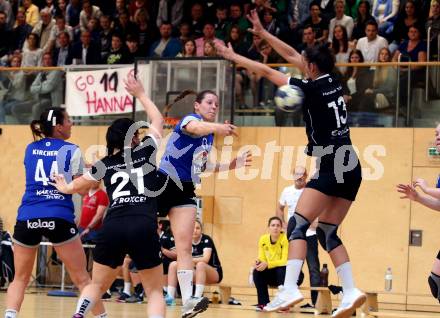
x=103, y=315
x=185, y=278
x=199, y=290
x=171, y=291
x=84, y=305
x=10, y=313
x=293, y=269
x=127, y=288
x=164, y=288
x=345, y=274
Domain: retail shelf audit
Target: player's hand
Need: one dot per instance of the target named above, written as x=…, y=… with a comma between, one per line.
x=257, y=27
x=224, y=51
x=261, y=266
x=226, y=129
x=244, y=160
x=421, y=183
x=133, y=86
x=408, y=191
x=60, y=183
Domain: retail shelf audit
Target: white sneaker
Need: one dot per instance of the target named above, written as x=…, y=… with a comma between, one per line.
x=284, y=299
x=194, y=306
x=350, y=301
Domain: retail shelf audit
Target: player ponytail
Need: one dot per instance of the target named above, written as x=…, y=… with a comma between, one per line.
x=322, y=57
x=44, y=126
x=116, y=133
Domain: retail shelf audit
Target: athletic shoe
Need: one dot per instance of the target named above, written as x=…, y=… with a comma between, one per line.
x=169, y=300
x=259, y=307
x=284, y=299
x=122, y=298
x=77, y=316
x=135, y=299
x=194, y=306
x=106, y=296
x=350, y=301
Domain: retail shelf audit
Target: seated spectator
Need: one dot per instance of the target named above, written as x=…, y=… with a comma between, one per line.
x=93, y=28
x=340, y=46
x=371, y=44
x=237, y=39
x=184, y=32
x=308, y=38
x=88, y=12
x=6, y=257
x=363, y=16
x=189, y=49
x=85, y=51
x=20, y=31
x=120, y=7
x=43, y=29
x=147, y=30
x=270, y=23
x=208, y=36
x=61, y=54
x=385, y=12
x=51, y=7
x=105, y=36
x=17, y=90
x=118, y=52
x=6, y=36
x=167, y=247
x=340, y=19
x=209, y=49
x=270, y=266
x=61, y=8
x=94, y=205
x=434, y=23
x=124, y=26
x=170, y=11
x=236, y=18
x=32, y=54
x=60, y=26
x=406, y=18
x=133, y=50
x=327, y=9
x=135, y=5
x=195, y=20
x=31, y=12
x=319, y=25
x=47, y=89
x=208, y=269
x=6, y=7
x=166, y=46
x=73, y=12
x=221, y=22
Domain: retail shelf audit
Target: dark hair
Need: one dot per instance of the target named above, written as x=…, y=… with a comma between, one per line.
x=199, y=97
x=51, y=117
x=195, y=47
x=274, y=218
x=322, y=57
x=335, y=42
x=403, y=14
x=419, y=27
x=314, y=3
x=368, y=15
x=240, y=35
x=116, y=133
x=371, y=22
x=166, y=227
x=350, y=69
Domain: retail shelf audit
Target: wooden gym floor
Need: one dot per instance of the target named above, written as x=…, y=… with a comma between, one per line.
x=39, y=305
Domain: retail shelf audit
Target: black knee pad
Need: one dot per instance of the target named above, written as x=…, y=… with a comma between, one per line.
x=290, y=226
x=301, y=227
x=328, y=236
x=438, y=255
x=434, y=285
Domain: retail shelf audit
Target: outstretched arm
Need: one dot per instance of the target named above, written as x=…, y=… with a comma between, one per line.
x=276, y=77
x=409, y=192
x=422, y=184
x=282, y=48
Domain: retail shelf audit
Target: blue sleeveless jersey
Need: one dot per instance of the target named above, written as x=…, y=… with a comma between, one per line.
x=185, y=155
x=42, y=159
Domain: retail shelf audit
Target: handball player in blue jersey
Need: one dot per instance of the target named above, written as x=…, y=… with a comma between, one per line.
x=185, y=158
x=45, y=212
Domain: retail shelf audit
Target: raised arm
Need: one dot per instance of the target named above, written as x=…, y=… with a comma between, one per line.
x=282, y=48
x=135, y=88
x=276, y=77
x=409, y=192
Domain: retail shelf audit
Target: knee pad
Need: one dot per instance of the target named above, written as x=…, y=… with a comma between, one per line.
x=434, y=285
x=301, y=226
x=328, y=236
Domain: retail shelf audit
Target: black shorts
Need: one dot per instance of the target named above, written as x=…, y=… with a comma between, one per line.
x=172, y=196
x=166, y=264
x=135, y=235
x=220, y=274
x=30, y=233
x=331, y=178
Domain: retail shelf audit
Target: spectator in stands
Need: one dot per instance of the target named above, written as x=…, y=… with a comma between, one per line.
x=184, y=32
x=371, y=44
x=308, y=39
x=434, y=23
x=133, y=50
x=170, y=11
x=20, y=31
x=105, y=36
x=221, y=22
x=166, y=46
x=209, y=49
x=327, y=9
x=208, y=36
x=32, y=54
x=351, y=8
x=319, y=25
x=93, y=28
x=124, y=26
x=340, y=19
x=51, y=7
x=340, y=46
x=47, y=89
x=270, y=266
x=60, y=26
x=407, y=17
x=270, y=23
x=5, y=36
x=168, y=248
x=363, y=16
x=6, y=7
x=44, y=29
x=85, y=51
x=189, y=49
x=147, y=30
x=17, y=90
x=207, y=265
x=236, y=18
x=195, y=20
x=88, y=12
x=414, y=47
x=73, y=12
x=31, y=12
x=61, y=8
x=121, y=6
x=61, y=54
x=95, y=203
x=118, y=52
x=303, y=9
x=237, y=40
x=135, y=5
x=385, y=12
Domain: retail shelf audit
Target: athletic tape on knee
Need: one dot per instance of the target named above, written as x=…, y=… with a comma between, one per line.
x=328, y=236
x=434, y=285
x=301, y=227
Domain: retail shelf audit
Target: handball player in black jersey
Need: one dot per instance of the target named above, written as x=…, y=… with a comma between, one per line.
x=331, y=191
x=130, y=226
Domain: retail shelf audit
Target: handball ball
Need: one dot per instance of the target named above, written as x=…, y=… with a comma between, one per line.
x=289, y=98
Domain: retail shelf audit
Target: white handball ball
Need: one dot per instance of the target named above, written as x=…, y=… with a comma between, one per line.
x=289, y=98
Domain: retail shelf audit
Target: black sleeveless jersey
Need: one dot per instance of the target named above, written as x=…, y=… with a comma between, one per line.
x=324, y=112
x=206, y=242
x=130, y=179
